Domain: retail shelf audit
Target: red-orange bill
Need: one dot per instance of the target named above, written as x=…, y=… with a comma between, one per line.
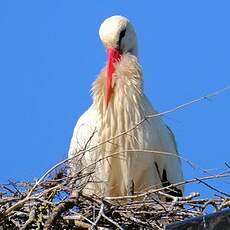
x=113, y=55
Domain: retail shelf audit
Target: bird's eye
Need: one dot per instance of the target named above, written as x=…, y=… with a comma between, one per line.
x=122, y=34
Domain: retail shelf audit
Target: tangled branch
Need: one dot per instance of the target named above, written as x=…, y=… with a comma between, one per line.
x=54, y=206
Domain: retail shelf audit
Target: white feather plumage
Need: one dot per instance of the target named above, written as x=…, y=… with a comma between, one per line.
x=134, y=165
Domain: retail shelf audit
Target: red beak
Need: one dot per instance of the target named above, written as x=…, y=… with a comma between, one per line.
x=113, y=56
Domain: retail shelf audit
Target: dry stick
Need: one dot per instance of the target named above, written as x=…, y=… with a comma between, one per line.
x=213, y=94
x=20, y=203
x=78, y=217
x=166, y=187
x=30, y=219
x=163, y=113
x=146, y=151
x=107, y=218
x=78, y=221
x=225, y=204
x=227, y=164
x=215, y=189
x=8, y=189
x=64, y=161
x=163, y=153
x=135, y=220
x=111, y=221
x=14, y=186
x=135, y=150
x=80, y=224
x=132, y=128
x=99, y=216
x=15, y=223
x=64, y=205
x=177, y=199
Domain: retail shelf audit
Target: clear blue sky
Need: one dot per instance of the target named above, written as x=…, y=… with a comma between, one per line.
x=50, y=54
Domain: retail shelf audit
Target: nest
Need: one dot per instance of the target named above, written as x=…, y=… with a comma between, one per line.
x=50, y=203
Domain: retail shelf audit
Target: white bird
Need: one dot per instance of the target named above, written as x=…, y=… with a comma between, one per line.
x=141, y=158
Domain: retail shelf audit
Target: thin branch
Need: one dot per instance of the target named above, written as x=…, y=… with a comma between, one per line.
x=215, y=189
x=151, y=191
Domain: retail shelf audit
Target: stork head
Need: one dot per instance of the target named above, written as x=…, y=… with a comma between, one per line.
x=118, y=36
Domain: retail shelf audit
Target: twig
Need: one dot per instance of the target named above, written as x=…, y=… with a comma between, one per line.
x=166, y=187
x=57, y=210
x=30, y=219
x=215, y=189
x=110, y=220
x=99, y=216
x=226, y=204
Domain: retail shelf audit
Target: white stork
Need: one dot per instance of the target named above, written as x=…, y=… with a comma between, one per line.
x=131, y=162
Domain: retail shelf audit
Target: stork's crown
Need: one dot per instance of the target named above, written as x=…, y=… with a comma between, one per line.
x=118, y=32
